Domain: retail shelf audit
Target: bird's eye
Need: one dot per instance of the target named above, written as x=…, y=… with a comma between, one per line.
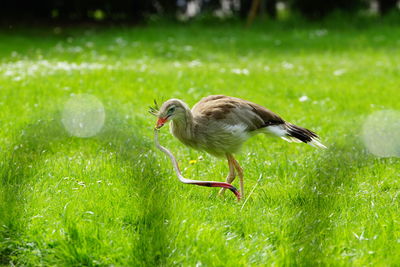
x=171, y=110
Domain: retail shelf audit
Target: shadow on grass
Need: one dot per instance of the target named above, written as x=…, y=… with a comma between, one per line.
x=20, y=164
x=147, y=187
x=23, y=162
x=319, y=201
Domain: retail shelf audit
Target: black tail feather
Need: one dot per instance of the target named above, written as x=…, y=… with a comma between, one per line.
x=300, y=133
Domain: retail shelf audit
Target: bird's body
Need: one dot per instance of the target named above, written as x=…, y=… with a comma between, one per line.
x=220, y=124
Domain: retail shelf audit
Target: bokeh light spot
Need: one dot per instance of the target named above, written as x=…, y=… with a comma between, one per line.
x=83, y=115
x=381, y=133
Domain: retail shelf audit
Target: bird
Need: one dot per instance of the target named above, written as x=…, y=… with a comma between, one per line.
x=220, y=124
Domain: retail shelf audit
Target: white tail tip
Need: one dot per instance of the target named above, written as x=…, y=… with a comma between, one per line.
x=291, y=139
x=316, y=143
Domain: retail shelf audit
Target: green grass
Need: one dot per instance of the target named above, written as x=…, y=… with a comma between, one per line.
x=114, y=200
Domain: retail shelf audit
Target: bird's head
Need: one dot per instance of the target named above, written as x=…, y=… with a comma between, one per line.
x=171, y=109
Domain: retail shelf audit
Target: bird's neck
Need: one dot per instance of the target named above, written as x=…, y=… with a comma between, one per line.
x=182, y=127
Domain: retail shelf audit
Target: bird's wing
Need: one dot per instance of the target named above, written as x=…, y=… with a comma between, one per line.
x=234, y=111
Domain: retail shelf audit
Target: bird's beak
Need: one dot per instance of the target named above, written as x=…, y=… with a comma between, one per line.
x=161, y=122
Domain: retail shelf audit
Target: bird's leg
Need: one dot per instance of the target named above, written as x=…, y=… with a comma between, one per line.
x=240, y=174
x=231, y=176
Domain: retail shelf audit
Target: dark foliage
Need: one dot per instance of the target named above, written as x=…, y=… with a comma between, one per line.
x=270, y=8
x=315, y=9
x=385, y=6
x=245, y=6
x=76, y=10
x=136, y=11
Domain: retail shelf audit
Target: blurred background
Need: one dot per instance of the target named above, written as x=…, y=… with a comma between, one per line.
x=141, y=11
x=82, y=184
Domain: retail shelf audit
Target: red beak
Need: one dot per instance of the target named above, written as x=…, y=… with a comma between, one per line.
x=161, y=122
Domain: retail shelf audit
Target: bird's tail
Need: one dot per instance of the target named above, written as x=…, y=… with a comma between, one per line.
x=294, y=133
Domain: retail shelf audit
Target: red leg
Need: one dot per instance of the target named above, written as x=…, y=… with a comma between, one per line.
x=231, y=176
x=240, y=174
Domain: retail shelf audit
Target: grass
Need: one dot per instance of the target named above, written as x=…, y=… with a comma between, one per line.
x=113, y=199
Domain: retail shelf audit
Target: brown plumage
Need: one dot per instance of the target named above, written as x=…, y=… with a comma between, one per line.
x=220, y=124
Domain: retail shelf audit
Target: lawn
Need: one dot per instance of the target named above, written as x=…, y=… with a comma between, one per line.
x=113, y=199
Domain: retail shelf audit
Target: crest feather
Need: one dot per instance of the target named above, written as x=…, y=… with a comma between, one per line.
x=154, y=110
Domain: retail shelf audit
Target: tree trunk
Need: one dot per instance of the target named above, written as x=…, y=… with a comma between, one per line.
x=253, y=12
